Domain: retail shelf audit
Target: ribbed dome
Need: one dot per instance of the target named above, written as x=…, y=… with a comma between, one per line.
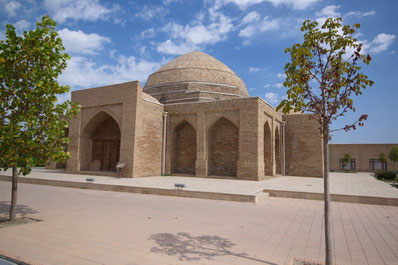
x=195, y=67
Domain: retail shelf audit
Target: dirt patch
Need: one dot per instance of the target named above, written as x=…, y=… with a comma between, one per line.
x=4, y=223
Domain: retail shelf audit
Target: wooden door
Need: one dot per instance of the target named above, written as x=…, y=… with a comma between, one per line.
x=113, y=154
x=106, y=155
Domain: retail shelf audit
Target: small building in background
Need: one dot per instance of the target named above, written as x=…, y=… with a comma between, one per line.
x=362, y=157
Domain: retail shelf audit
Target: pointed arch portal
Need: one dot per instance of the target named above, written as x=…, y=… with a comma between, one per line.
x=223, y=148
x=101, y=143
x=183, y=159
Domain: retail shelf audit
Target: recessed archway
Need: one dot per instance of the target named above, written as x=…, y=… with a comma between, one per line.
x=183, y=159
x=277, y=151
x=267, y=150
x=100, y=145
x=223, y=139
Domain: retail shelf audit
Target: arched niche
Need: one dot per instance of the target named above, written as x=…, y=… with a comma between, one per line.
x=183, y=157
x=100, y=143
x=223, y=146
x=267, y=150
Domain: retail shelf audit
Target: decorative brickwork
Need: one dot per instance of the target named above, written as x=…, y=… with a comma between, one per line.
x=184, y=149
x=223, y=148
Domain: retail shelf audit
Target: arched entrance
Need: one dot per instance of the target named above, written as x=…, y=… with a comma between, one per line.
x=277, y=151
x=223, y=148
x=183, y=159
x=267, y=150
x=100, y=144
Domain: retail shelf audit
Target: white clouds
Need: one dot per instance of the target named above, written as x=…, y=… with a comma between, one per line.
x=80, y=42
x=329, y=11
x=243, y=4
x=255, y=69
x=380, y=43
x=168, y=2
x=266, y=24
x=295, y=4
x=169, y=47
x=11, y=7
x=195, y=35
x=272, y=98
x=277, y=85
x=148, y=33
x=269, y=24
x=22, y=25
x=332, y=11
x=251, y=17
x=63, y=97
x=90, y=10
x=281, y=76
x=361, y=14
x=149, y=11
x=83, y=72
x=247, y=32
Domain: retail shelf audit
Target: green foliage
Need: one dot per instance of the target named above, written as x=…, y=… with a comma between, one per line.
x=385, y=175
x=346, y=159
x=32, y=125
x=382, y=158
x=323, y=73
x=393, y=155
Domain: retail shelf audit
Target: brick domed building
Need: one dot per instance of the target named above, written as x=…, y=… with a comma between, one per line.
x=193, y=117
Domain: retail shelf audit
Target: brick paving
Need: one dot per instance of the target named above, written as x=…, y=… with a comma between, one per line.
x=98, y=227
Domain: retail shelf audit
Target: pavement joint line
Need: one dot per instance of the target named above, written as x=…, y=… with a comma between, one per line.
x=253, y=198
x=358, y=188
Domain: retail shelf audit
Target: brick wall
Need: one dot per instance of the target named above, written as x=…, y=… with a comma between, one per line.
x=267, y=149
x=304, y=155
x=148, y=151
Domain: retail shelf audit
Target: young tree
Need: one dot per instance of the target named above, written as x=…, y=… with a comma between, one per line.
x=345, y=160
x=322, y=77
x=393, y=156
x=32, y=124
x=383, y=160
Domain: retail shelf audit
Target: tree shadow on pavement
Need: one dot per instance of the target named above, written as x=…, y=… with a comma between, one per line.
x=195, y=248
x=22, y=209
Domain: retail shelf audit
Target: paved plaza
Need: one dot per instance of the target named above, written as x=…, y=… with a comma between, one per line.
x=361, y=184
x=100, y=227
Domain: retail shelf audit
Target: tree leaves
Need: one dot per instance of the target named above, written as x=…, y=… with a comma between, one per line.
x=323, y=73
x=32, y=125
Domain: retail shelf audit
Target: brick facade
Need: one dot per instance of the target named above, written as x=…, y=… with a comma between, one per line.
x=228, y=134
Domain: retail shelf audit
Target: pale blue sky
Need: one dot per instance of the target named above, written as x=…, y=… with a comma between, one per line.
x=118, y=41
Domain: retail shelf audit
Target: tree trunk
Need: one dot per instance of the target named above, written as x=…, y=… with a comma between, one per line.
x=327, y=208
x=14, y=189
